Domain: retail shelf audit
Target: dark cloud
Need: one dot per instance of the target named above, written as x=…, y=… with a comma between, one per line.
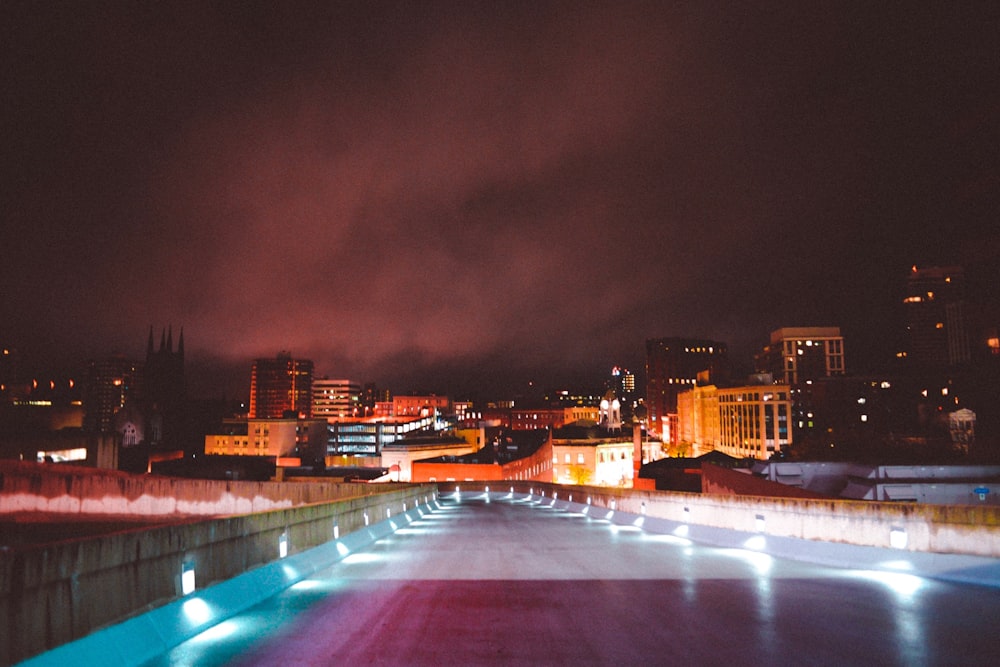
x=430, y=192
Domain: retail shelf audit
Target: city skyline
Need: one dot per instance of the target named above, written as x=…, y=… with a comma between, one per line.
x=490, y=194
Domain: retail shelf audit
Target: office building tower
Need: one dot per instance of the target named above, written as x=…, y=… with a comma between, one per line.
x=937, y=335
x=280, y=386
x=336, y=399
x=672, y=366
x=109, y=384
x=801, y=354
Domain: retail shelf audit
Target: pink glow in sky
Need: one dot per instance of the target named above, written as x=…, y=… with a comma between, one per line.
x=485, y=188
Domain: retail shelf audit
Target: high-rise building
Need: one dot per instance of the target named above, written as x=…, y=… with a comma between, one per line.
x=622, y=381
x=109, y=384
x=672, y=366
x=336, y=399
x=937, y=335
x=801, y=354
x=280, y=386
x=800, y=357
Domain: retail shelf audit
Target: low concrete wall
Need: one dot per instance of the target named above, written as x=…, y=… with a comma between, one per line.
x=150, y=635
x=53, y=594
x=944, y=529
x=57, y=489
x=724, y=481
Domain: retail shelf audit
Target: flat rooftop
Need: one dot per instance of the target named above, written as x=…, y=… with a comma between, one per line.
x=516, y=582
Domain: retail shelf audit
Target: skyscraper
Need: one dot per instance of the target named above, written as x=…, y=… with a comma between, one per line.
x=937, y=335
x=799, y=354
x=281, y=385
x=802, y=357
x=109, y=384
x=672, y=366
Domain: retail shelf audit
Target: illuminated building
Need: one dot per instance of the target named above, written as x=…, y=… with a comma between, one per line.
x=526, y=419
x=698, y=420
x=937, y=334
x=622, y=383
x=567, y=397
x=627, y=380
x=525, y=456
x=422, y=406
x=465, y=413
x=801, y=354
x=335, y=399
x=672, y=366
x=611, y=412
x=590, y=455
x=802, y=357
x=752, y=421
x=367, y=436
x=399, y=456
x=281, y=385
x=283, y=438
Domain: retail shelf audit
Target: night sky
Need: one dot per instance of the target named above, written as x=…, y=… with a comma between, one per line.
x=442, y=196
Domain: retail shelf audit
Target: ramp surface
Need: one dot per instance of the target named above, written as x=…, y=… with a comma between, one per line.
x=511, y=582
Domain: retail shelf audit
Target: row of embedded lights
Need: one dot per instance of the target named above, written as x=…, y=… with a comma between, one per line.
x=901, y=583
x=897, y=536
x=188, y=570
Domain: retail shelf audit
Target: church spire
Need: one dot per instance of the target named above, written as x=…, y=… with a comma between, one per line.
x=180, y=344
x=163, y=339
x=170, y=338
x=149, y=345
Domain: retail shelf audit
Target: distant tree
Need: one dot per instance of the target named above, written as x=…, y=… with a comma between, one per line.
x=580, y=475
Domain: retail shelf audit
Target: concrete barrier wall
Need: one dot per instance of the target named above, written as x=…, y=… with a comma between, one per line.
x=945, y=529
x=148, y=636
x=56, y=593
x=32, y=487
x=719, y=480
